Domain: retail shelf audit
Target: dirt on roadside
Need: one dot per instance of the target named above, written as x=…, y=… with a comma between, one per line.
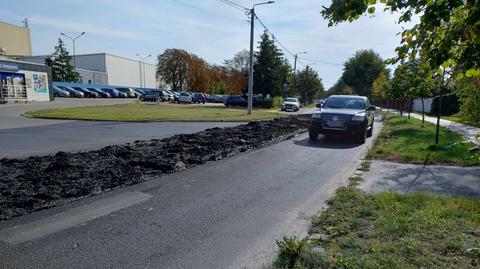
x=35, y=183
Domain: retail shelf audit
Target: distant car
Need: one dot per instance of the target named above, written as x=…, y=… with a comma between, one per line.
x=290, y=103
x=215, y=98
x=87, y=92
x=57, y=92
x=236, y=101
x=139, y=92
x=171, y=95
x=344, y=114
x=73, y=92
x=184, y=97
x=129, y=92
x=198, y=98
x=151, y=96
x=114, y=93
x=100, y=93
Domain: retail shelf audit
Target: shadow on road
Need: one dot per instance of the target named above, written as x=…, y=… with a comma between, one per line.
x=331, y=142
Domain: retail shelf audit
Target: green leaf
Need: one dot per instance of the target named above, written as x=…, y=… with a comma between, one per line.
x=371, y=10
x=459, y=76
x=372, y=2
x=472, y=73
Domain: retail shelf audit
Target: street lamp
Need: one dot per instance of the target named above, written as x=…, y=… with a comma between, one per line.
x=74, y=56
x=250, y=71
x=295, y=70
x=142, y=65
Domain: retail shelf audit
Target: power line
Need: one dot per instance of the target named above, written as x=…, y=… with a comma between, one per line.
x=274, y=38
x=234, y=5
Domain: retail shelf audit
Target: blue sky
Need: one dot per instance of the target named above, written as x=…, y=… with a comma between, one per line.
x=208, y=28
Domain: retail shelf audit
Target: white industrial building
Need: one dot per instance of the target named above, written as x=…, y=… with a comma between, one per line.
x=107, y=69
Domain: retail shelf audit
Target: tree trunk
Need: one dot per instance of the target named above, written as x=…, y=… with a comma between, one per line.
x=401, y=107
x=388, y=105
x=423, y=113
x=409, y=104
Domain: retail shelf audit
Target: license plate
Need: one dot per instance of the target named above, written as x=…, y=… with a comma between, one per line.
x=331, y=123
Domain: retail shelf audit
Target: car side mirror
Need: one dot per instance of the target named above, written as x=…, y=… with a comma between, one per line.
x=318, y=105
x=372, y=108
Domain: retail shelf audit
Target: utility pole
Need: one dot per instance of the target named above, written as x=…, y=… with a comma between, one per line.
x=250, y=68
x=74, y=55
x=142, y=72
x=295, y=71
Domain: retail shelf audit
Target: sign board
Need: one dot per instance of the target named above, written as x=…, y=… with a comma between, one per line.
x=9, y=67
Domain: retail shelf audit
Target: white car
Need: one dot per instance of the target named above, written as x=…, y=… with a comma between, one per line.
x=184, y=97
x=290, y=103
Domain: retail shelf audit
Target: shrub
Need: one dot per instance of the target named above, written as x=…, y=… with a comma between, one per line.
x=267, y=103
x=469, y=95
x=277, y=101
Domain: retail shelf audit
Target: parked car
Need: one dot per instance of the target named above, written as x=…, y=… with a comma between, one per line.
x=171, y=95
x=290, y=103
x=235, y=100
x=87, y=92
x=198, y=98
x=215, y=98
x=114, y=93
x=139, y=92
x=152, y=96
x=57, y=92
x=175, y=96
x=73, y=92
x=129, y=92
x=184, y=97
x=344, y=114
x=100, y=93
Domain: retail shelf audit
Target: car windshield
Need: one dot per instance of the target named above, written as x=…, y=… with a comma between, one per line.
x=345, y=102
x=290, y=100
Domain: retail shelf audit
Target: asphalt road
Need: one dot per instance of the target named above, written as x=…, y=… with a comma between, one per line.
x=224, y=214
x=89, y=135
x=22, y=137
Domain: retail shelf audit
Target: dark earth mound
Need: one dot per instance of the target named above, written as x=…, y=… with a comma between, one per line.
x=28, y=185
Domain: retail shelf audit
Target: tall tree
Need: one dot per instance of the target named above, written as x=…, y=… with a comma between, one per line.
x=59, y=61
x=361, y=70
x=310, y=85
x=269, y=71
x=448, y=32
x=173, y=68
x=340, y=87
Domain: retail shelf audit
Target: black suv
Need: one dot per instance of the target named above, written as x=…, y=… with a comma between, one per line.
x=236, y=101
x=343, y=114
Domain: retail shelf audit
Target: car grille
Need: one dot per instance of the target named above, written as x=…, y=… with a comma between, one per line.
x=289, y=105
x=334, y=121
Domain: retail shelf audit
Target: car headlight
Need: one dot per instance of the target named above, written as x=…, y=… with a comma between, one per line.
x=317, y=115
x=359, y=117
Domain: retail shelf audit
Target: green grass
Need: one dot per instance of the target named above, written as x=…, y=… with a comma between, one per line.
x=389, y=230
x=153, y=112
x=404, y=140
x=460, y=120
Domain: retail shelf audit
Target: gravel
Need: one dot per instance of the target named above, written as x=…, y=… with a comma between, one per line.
x=39, y=182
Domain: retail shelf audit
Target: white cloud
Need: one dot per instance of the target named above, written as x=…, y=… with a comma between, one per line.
x=81, y=26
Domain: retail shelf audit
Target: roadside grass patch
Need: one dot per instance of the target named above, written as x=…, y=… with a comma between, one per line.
x=404, y=140
x=365, y=165
x=390, y=230
x=155, y=112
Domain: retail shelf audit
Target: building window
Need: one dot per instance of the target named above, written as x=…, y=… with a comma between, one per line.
x=89, y=81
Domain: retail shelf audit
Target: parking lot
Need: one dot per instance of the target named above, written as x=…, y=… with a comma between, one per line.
x=21, y=137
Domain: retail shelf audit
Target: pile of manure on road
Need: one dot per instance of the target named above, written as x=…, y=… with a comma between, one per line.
x=38, y=182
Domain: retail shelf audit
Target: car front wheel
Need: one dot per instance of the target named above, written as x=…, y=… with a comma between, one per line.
x=362, y=137
x=312, y=135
